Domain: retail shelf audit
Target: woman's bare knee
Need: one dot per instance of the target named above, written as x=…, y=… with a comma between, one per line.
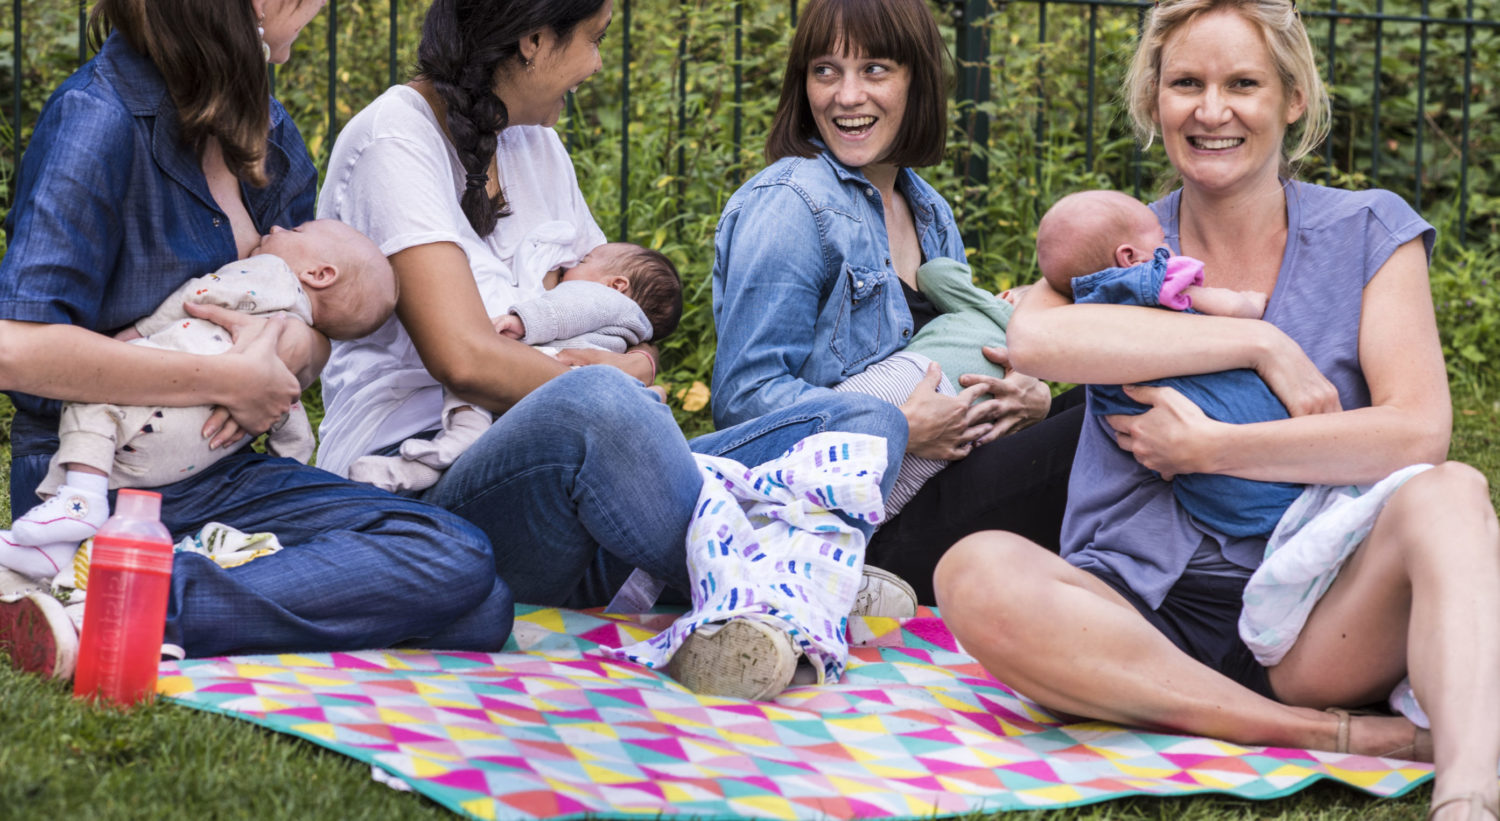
x=1441, y=512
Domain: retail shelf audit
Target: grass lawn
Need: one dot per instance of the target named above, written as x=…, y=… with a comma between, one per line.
x=164, y=761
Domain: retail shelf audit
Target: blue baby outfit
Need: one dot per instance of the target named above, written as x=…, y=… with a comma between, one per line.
x=1228, y=504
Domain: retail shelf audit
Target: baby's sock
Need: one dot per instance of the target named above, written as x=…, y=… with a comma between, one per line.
x=393, y=473
x=74, y=514
x=42, y=563
x=464, y=428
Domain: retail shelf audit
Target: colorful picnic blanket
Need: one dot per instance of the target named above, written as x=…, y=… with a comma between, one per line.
x=553, y=729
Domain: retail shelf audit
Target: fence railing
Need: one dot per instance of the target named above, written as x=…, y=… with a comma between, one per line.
x=1367, y=113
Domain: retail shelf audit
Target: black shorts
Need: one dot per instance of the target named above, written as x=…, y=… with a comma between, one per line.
x=1201, y=615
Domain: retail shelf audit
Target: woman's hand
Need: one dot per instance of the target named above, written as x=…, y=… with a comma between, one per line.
x=264, y=386
x=1295, y=380
x=1171, y=437
x=637, y=362
x=944, y=427
x=1019, y=402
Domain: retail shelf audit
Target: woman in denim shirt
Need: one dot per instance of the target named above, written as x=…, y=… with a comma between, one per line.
x=814, y=280
x=156, y=162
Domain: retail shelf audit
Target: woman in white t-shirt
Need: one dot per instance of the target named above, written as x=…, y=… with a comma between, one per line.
x=447, y=174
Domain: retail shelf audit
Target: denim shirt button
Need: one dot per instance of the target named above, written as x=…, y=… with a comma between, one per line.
x=869, y=192
x=887, y=262
x=859, y=283
x=218, y=222
x=905, y=332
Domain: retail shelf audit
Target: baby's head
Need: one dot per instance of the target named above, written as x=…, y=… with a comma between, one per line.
x=1090, y=231
x=640, y=273
x=348, y=281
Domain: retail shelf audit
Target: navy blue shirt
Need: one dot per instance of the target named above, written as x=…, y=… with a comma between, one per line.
x=113, y=211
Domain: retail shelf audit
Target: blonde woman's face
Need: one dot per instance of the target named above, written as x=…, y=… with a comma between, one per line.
x=1221, y=105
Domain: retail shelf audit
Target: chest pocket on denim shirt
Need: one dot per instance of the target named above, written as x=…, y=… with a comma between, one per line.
x=860, y=322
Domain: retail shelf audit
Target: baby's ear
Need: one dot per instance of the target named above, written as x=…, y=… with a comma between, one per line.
x=619, y=283
x=1127, y=255
x=319, y=276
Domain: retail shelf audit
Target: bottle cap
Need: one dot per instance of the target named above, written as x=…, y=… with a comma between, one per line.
x=138, y=504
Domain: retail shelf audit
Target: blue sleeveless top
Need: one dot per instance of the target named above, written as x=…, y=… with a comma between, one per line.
x=1121, y=516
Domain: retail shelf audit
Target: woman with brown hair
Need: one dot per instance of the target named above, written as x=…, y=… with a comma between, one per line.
x=162, y=158
x=815, y=281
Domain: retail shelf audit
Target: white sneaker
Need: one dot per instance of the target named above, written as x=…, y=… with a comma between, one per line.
x=883, y=594
x=742, y=658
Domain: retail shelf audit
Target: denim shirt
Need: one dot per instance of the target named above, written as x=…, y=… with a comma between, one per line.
x=804, y=291
x=113, y=212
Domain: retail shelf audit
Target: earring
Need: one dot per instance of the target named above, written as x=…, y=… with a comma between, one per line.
x=260, y=31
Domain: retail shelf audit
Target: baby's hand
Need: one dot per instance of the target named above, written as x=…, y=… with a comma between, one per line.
x=509, y=325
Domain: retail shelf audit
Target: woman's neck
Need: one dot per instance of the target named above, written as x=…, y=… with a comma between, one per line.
x=883, y=177
x=1211, y=221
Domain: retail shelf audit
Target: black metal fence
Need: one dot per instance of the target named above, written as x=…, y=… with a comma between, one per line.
x=975, y=24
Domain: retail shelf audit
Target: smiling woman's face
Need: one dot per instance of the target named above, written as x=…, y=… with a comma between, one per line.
x=858, y=103
x=537, y=95
x=1221, y=105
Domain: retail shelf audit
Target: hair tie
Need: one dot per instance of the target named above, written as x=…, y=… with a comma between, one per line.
x=477, y=179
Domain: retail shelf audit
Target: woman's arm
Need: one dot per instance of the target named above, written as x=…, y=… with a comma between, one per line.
x=442, y=311
x=73, y=364
x=770, y=282
x=1409, y=419
x=1051, y=338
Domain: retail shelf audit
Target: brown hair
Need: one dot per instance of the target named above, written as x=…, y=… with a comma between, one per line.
x=1286, y=40
x=656, y=286
x=209, y=56
x=899, y=30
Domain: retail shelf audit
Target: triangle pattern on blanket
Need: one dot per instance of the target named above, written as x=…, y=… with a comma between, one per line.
x=552, y=729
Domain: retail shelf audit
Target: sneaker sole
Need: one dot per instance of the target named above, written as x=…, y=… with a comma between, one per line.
x=38, y=637
x=745, y=658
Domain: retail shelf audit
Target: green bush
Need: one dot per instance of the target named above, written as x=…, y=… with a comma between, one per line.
x=684, y=161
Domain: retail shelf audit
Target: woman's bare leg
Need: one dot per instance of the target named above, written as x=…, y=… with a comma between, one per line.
x=1422, y=593
x=1066, y=639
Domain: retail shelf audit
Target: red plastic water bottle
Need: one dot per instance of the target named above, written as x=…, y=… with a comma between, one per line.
x=125, y=612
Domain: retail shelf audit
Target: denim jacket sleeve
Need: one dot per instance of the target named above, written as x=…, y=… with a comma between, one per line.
x=769, y=279
x=66, y=227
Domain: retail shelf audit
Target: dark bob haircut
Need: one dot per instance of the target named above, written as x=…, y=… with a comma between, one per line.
x=899, y=30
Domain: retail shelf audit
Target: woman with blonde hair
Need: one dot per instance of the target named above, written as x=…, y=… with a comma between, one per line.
x=1136, y=622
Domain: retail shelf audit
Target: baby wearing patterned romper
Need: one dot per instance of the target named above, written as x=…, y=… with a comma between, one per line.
x=323, y=273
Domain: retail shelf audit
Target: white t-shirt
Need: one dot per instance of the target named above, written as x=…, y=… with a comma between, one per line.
x=395, y=177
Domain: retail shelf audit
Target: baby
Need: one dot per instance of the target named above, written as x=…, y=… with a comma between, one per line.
x=618, y=295
x=1106, y=247
x=324, y=273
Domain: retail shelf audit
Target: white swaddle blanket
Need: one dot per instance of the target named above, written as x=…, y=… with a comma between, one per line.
x=1314, y=538
x=768, y=543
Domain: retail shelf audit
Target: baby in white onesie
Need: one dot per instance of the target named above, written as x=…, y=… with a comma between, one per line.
x=323, y=272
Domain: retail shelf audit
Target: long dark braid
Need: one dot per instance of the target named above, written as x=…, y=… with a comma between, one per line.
x=464, y=44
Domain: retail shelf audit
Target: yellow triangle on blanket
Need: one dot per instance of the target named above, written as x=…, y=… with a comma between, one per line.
x=327, y=732
x=1057, y=792
x=480, y=808
x=1359, y=778
x=173, y=685
x=550, y=619
x=294, y=660
x=773, y=806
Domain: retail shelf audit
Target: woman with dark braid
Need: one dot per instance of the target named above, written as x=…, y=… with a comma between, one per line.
x=584, y=475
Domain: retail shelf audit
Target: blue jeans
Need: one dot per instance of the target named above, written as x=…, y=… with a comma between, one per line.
x=362, y=568
x=589, y=476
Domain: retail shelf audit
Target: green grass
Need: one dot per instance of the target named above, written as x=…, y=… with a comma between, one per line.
x=59, y=756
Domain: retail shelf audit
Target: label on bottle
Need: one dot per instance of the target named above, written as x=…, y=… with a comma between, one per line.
x=131, y=554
